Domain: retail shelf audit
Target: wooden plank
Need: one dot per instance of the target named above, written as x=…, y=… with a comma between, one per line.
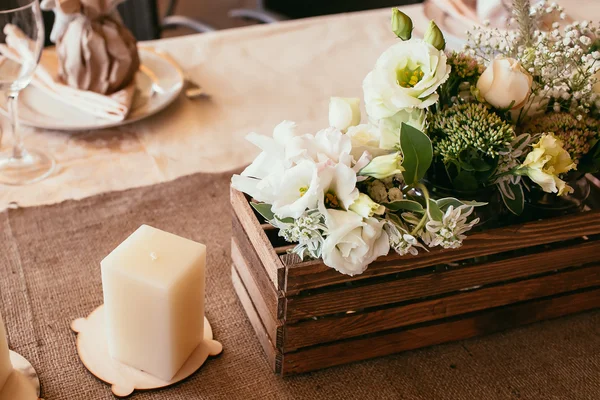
x=274, y=297
x=314, y=274
x=273, y=357
x=344, y=298
x=266, y=311
x=486, y=322
x=258, y=238
x=327, y=329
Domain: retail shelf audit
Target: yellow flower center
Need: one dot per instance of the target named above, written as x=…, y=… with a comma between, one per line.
x=408, y=78
x=303, y=190
x=331, y=200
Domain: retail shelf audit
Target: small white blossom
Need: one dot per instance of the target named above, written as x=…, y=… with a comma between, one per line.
x=449, y=233
x=306, y=230
x=401, y=240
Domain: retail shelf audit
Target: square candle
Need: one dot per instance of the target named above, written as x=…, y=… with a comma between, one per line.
x=153, y=286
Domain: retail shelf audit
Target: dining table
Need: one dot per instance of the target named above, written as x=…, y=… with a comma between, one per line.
x=173, y=171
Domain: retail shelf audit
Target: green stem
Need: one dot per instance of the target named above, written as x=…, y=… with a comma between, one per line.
x=423, y=220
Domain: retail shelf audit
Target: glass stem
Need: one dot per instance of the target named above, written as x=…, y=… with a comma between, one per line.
x=18, y=149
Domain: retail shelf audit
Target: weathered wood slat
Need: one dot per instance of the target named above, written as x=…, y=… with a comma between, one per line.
x=314, y=274
x=273, y=357
x=486, y=322
x=266, y=311
x=274, y=297
x=270, y=260
x=343, y=298
x=312, y=332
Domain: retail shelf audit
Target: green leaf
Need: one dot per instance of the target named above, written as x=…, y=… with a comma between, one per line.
x=513, y=197
x=264, y=210
x=465, y=181
x=446, y=202
x=395, y=219
x=434, y=211
x=406, y=205
x=480, y=165
x=417, y=151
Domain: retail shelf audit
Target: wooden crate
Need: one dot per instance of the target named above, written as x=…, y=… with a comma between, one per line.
x=308, y=316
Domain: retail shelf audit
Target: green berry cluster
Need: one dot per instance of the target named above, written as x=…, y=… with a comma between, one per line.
x=468, y=127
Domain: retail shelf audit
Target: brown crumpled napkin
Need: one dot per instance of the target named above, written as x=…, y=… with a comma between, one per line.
x=96, y=51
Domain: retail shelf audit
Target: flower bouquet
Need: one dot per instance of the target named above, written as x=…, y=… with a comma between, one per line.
x=514, y=111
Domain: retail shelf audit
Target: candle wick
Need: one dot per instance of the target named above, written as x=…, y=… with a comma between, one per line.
x=153, y=256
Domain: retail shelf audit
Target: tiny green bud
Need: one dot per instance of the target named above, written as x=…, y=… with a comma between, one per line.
x=434, y=36
x=402, y=25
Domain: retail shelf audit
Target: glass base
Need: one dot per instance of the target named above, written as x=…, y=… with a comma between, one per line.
x=32, y=167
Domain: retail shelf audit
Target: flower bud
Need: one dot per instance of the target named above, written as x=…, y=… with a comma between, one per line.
x=505, y=83
x=434, y=36
x=365, y=207
x=402, y=25
x=344, y=112
x=383, y=166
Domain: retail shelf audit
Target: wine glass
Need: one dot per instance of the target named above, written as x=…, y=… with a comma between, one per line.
x=21, y=43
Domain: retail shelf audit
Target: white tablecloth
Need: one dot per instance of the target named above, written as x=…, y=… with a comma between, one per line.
x=257, y=76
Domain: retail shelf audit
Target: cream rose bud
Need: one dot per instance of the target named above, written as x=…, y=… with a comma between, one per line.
x=505, y=83
x=383, y=166
x=344, y=112
x=365, y=207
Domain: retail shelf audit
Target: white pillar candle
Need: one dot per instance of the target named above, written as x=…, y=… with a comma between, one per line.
x=154, y=300
x=5, y=364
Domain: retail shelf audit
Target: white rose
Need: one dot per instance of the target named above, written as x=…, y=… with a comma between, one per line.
x=390, y=127
x=298, y=191
x=365, y=137
x=505, y=82
x=353, y=242
x=406, y=75
x=344, y=112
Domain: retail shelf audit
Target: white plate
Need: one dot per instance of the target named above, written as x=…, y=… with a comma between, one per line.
x=158, y=83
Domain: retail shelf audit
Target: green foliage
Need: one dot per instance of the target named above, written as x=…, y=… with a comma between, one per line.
x=417, y=152
x=404, y=205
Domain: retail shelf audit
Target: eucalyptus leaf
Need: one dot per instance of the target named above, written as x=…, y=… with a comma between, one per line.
x=513, y=197
x=417, y=151
x=405, y=205
x=264, y=210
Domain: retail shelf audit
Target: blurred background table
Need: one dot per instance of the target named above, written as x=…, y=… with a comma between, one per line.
x=256, y=77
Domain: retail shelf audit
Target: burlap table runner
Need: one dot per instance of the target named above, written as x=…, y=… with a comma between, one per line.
x=50, y=275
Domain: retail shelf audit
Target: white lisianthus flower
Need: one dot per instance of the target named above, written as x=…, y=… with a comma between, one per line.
x=383, y=166
x=406, y=75
x=326, y=145
x=261, y=179
x=365, y=207
x=390, y=127
x=344, y=112
x=337, y=185
x=365, y=137
x=298, y=191
x=505, y=83
x=352, y=242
